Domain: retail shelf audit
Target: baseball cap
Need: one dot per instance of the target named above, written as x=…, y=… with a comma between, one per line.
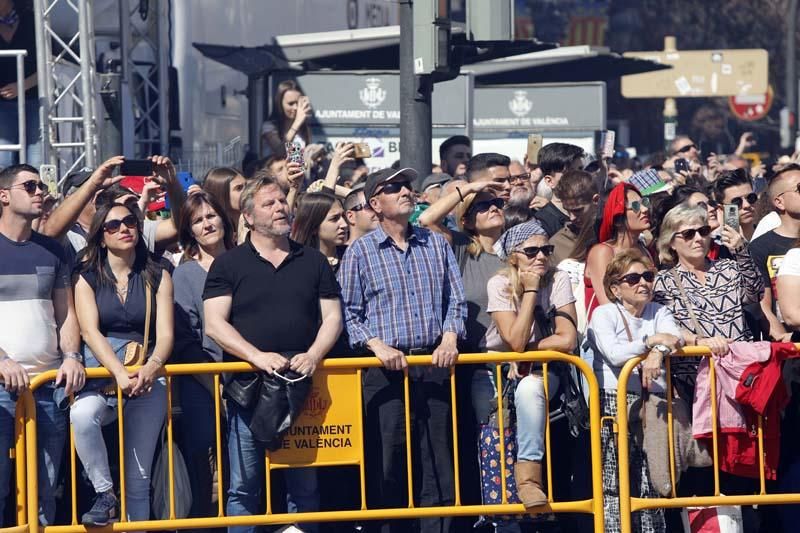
x=435, y=179
x=376, y=179
x=75, y=179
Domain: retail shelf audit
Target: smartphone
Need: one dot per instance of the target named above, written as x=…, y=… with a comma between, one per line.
x=49, y=178
x=730, y=216
x=609, y=138
x=362, y=150
x=534, y=145
x=681, y=165
x=186, y=179
x=294, y=154
x=136, y=167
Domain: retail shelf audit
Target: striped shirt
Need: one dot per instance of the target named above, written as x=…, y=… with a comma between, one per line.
x=407, y=299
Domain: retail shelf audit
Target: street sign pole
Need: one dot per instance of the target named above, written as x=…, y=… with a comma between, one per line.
x=415, y=102
x=791, y=76
x=670, y=106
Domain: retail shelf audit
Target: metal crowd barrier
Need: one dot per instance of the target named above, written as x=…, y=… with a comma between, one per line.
x=629, y=504
x=21, y=145
x=346, y=374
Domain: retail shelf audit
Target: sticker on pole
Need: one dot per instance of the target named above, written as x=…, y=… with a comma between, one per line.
x=329, y=428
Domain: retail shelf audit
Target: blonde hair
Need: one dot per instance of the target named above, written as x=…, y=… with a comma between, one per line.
x=474, y=248
x=676, y=217
x=515, y=288
x=619, y=265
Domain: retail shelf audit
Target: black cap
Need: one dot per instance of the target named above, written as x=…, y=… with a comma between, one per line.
x=435, y=179
x=76, y=178
x=376, y=179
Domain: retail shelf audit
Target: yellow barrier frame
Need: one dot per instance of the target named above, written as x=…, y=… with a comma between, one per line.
x=28, y=501
x=629, y=504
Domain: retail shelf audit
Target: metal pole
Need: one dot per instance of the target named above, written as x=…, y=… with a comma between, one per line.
x=256, y=98
x=163, y=76
x=86, y=84
x=415, y=102
x=791, y=70
x=670, y=106
x=127, y=123
x=43, y=82
x=21, y=137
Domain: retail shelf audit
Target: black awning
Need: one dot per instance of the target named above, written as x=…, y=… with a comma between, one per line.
x=249, y=60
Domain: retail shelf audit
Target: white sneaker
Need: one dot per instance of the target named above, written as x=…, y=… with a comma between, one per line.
x=291, y=528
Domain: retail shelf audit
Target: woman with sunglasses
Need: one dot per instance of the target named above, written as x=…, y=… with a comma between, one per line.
x=626, y=215
x=117, y=279
x=705, y=296
x=522, y=297
x=628, y=326
x=206, y=233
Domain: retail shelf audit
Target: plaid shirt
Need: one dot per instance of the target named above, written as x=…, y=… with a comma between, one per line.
x=406, y=299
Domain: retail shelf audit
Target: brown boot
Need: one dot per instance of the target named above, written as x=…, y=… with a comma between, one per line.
x=528, y=476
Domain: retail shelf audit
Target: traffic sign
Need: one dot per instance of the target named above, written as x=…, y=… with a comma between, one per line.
x=700, y=73
x=753, y=107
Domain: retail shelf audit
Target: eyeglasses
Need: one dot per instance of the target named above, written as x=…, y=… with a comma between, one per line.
x=485, y=205
x=796, y=189
x=709, y=204
x=688, y=234
x=635, y=278
x=751, y=198
x=30, y=186
x=394, y=187
x=519, y=178
x=684, y=149
x=532, y=251
x=637, y=205
x=113, y=226
x=359, y=207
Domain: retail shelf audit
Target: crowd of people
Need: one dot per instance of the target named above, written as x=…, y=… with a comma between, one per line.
x=286, y=262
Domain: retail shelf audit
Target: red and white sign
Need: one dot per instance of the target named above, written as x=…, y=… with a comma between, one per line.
x=752, y=107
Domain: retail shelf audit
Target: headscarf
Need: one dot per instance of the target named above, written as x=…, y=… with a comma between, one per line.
x=516, y=236
x=615, y=205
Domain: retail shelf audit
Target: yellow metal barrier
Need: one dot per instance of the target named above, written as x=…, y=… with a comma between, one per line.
x=629, y=504
x=18, y=455
x=28, y=503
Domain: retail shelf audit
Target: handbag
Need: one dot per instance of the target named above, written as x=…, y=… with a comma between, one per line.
x=136, y=354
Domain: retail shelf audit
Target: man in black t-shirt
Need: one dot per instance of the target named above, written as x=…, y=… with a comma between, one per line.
x=264, y=300
x=769, y=249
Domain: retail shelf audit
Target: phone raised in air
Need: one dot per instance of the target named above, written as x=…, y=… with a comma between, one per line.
x=730, y=216
x=534, y=145
x=362, y=150
x=682, y=165
x=136, y=167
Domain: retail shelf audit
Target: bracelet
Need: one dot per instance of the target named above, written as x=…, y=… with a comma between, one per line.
x=72, y=355
x=156, y=360
x=526, y=291
x=459, y=194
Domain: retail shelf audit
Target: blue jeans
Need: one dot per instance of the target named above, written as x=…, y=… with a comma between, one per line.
x=51, y=427
x=9, y=132
x=529, y=399
x=246, y=491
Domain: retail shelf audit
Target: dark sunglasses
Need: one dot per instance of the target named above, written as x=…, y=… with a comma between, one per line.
x=686, y=148
x=637, y=205
x=521, y=178
x=113, y=226
x=359, y=207
x=688, y=234
x=532, y=251
x=394, y=187
x=30, y=186
x=751, y=198
x=633, y=279
x=705, y=205
x=485, y=205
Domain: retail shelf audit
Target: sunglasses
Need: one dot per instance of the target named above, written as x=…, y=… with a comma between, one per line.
x=751, y=198
x=30, y=186
x=633, y=279
x=113, y=226
x=688, y=234
x=532, y=251
x=686, y=148
x=637, y=205
x=395, y=187
x=519, y=178
x=705, y=205
x=359, y=207
x=485, y=205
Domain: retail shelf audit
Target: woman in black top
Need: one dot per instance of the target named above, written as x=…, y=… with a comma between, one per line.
x=320, y=223
x=115, y=275
x=17, y=32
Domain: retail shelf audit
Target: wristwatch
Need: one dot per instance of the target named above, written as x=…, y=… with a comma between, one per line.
x=665, y=351
x=73, y=355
